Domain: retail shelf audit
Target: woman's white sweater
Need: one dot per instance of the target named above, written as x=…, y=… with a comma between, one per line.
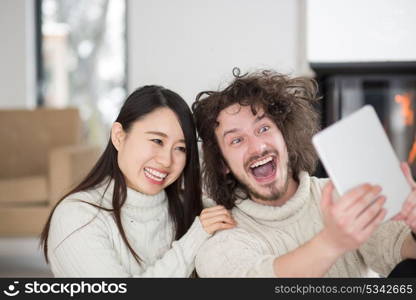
x=84, y=241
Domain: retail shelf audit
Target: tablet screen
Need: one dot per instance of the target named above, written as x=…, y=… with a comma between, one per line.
x=356, y=150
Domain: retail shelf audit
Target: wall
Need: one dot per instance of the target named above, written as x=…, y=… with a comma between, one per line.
x=17, y=57
x=361, y=30
x=186, y=45
x=190, y=46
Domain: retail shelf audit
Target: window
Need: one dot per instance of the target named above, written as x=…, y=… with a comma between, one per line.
x=82, y=51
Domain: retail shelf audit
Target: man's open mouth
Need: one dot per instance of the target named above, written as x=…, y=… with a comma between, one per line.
x=264, y=169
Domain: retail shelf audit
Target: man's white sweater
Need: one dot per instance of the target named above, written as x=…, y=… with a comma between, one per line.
x=84, y=241
x=266, y=232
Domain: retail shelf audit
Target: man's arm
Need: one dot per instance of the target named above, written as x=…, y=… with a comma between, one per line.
x=409, y=248
x=234, y=253
x=408, y=215
x=348, y=224
x=302, y=262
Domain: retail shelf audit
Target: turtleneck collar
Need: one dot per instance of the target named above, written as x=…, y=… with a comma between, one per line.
x=282, y=213
x=134, y=198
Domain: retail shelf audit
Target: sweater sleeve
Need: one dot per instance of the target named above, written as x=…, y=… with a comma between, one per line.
x=233, y=253
x=179, y=260
x=382, y=251
x=80, y=245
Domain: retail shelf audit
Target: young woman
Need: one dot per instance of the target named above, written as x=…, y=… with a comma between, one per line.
x=136, y=212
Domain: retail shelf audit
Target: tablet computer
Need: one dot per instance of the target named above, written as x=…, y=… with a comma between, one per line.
x=356, y=150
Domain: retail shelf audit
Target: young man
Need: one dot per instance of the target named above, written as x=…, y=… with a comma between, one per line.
x=258, y=155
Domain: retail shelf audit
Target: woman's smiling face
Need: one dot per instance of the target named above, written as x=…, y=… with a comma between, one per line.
x=152, y=154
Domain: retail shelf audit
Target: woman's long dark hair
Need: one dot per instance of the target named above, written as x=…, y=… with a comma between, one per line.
x=184, y=195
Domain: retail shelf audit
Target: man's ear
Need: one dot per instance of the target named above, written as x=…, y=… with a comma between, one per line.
x=225, y=168
x=117, y=135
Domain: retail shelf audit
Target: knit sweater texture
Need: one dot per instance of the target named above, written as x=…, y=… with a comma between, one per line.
x=84, y=241
x=265, y=232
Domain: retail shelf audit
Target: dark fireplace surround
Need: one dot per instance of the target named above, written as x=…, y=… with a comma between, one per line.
x=390, y=87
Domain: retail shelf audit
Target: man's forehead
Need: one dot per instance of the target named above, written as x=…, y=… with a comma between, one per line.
x=236, y=118
x=236, y=112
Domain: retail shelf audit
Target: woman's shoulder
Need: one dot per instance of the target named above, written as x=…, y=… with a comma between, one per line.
x=76, y=205
x=75, y=212
x=81, y=206
x=99, y=195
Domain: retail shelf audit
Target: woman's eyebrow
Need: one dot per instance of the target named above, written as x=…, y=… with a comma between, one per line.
x=157, y=133
x=162, y=134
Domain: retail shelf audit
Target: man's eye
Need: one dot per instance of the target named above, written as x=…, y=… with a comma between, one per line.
x=263, y=129
x=236, y=141
x=157, y=141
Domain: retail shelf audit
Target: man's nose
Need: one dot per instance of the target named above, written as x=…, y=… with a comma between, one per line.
x=256, y=146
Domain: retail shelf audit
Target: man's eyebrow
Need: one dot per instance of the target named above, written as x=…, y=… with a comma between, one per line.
x=162, y=134
x=258, y=118
x=230, y=131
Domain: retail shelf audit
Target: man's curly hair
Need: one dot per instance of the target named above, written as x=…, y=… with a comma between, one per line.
x=289, y=102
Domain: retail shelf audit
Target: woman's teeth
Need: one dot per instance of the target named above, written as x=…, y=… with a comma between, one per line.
x=261, y=162
x=155, y=175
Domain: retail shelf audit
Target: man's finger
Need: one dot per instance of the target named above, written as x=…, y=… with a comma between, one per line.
x=354, y=195
x=372, y=225
x=408, y=174
x=369, y=214
x=398, y=217
x=326, y=201
x=359, y=206
x=409, y=204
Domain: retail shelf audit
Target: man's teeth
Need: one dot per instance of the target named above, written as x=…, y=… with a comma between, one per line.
x=261, y=162
x=155, y=174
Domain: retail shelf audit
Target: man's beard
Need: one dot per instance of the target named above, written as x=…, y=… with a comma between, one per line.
x=275, y=192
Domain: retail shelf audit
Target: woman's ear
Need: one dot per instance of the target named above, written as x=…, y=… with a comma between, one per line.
x=117, y=135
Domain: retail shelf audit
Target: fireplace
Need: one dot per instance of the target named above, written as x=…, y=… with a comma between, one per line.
x=389, y=87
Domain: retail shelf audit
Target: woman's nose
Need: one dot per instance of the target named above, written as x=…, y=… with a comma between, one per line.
x=164, y=158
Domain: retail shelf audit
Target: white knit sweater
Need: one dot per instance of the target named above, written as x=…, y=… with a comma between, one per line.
x=84, y=241
x=266, y=232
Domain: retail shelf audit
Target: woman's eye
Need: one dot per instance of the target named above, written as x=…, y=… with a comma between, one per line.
x=157, y=141
x=182, y=149
x=236, y=141
x=263, y=129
